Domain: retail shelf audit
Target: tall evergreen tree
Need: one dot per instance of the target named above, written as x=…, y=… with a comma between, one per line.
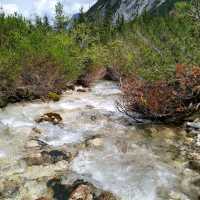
x=60, y=19
x=38, y=21
x=120, y=23
x=2, y=14
x=46, y=21
x=81, y=18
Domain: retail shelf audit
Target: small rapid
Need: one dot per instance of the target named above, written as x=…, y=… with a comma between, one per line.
x=134, y=162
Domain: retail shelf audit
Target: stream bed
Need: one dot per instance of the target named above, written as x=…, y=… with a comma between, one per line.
x=95, y=143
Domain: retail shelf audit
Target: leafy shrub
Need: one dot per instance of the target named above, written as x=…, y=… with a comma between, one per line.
x=44, y=60
x=53, y=96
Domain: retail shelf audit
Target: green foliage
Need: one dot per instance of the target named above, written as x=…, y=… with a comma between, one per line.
x=150, y=46
x=53, y=96
x=156, y=44
x=9, y=67
x=61, y=20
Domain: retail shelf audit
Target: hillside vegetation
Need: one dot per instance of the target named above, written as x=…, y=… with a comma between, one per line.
x=37, y=58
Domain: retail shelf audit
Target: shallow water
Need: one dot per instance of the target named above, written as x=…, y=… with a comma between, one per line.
x=135, y=162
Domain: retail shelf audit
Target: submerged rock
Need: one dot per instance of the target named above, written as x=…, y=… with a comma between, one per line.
x=81, y=90
x=8, y=188
x=83, y=192
x=193, y=125
x=42, y=198
x=3, y=102
x=194, y=165
x=60, y=191
x=33, y=144
x=47, y=157
x=71, y=87
x=95, y=141
x=34, y=158
x=197, y=182
x=54, y=118
x=106, y=196
x=79, y=190
x=55, y=156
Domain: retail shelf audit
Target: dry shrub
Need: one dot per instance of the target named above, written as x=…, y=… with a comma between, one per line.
x=91, y=75
x=42, y=75
x=96, y=73
x=39, y=76
x=162, y=100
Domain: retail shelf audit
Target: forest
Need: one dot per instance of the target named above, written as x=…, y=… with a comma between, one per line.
x=155, y=58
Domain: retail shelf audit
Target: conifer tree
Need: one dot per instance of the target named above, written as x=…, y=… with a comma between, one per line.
x=38, y=21
x=46, y=21
x=60, y=19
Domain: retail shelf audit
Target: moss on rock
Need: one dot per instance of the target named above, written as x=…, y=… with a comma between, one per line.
x=53, y=96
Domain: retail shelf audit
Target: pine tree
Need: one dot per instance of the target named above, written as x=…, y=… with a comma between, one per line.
x=60, y=19
x=81, y=18
x=38, y=21
x=46, y=21
x=120, y=23
x=2, y=13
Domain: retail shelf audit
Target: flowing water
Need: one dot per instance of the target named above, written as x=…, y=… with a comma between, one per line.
x=134, y=162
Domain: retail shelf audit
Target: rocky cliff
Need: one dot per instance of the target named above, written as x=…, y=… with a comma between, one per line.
x=129, y=9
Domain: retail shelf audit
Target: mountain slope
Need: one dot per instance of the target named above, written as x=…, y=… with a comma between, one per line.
x=129, y=9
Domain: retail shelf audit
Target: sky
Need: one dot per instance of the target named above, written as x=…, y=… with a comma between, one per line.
x=30, y=8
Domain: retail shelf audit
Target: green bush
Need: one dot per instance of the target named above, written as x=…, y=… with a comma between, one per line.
x=53, y=96
x=150, y=46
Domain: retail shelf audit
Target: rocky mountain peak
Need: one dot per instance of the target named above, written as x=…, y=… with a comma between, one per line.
x=129, y=9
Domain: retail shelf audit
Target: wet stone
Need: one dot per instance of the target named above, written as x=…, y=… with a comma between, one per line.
x=106, y=196
x=34, y=159
x=194, y=165
x=177, y=196
x=81, y=90
x=8, y=188
x=194, y=125
x=83, y=192
x=33, y=144
x=55, y=156
x=37, y=131
x=60, y=191
x=42, y=198
x=71, y=87
x=95, y=141
x=79, y=190
x=93, y=118
x=54, y=118
x=47, y=157
x=197, y=182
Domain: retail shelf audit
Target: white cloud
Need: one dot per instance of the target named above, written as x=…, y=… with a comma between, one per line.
x=41, y=7
x=10, y=8
x=30, y=8
x=70, y=6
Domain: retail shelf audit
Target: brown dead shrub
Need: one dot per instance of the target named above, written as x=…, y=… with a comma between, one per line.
x=91, y=75
x=42, y=75
x=97, y=73
x=162, y=100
